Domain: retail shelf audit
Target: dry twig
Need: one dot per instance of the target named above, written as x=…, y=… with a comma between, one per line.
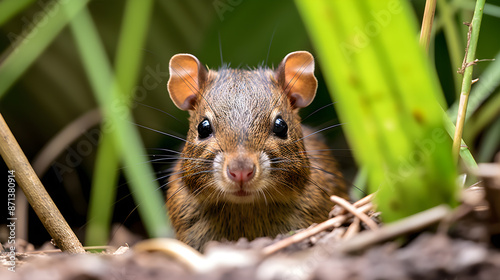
x=409, y=224
x=353, y=210
x=352, y=229
x=333, y=222
x=37, y=196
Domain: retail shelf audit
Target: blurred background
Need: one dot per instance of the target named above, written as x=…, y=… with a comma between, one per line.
x=54, y=92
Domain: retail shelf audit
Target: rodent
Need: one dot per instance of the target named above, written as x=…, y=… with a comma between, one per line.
x=248, y=167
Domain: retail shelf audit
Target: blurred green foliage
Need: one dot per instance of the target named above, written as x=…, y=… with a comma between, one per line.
x=393, y=100
x=55, y=90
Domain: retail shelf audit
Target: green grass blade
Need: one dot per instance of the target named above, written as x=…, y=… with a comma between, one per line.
x=10, y=8
x=99, y=72
x=132, y=37
x=102, y=193
x=389, y=96
x=119, y=125
x=140, y=175
x=128, y=59
x=28, y=48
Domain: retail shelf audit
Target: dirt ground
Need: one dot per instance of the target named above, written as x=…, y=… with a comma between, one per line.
x=461, y=252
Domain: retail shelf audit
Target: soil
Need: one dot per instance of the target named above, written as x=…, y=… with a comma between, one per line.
x=459, y=254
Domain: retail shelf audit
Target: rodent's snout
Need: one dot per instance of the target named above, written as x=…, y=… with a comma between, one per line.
x=240, y=170
x=241, y=175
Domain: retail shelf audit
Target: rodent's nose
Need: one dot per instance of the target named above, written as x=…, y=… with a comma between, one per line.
x=240, y=171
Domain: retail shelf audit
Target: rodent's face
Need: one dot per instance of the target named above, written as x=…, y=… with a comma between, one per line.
x=244, y=142
x=249, y=139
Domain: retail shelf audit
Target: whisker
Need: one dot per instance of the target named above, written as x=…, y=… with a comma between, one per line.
x=318, y=131
x=285, y=161
x=319, y=169
x=187, y=175
x=261, y=192
x=174, y=136
x=270, y=43
x=325, y=171
x=164, y=133
x=317, y=110
x=220, y=49
x=163, y=171
x=286, y=184
x=322, y=189
x=270, y=194
x=203, y=187
x=277, y=168
x=176, y=192
x=311, y=134
x=325, y=158
x=176, y=158
x=159, y=110
x=165, y=150
x=126, y=218
x=324, y=150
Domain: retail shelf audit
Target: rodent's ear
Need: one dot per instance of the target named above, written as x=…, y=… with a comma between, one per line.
x=187, y=76
x=295, y=74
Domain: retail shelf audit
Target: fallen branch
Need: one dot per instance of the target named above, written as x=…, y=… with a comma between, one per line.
x=37, y=196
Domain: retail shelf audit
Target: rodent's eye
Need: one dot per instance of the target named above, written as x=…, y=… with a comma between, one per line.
x=280, y=128
x=204, y=129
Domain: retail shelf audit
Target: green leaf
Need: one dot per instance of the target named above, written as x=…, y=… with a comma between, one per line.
x=389, y=97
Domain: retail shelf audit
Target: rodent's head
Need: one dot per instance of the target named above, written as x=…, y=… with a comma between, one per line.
x=244, y=142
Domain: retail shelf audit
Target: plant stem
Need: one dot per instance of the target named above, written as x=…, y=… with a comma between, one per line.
x=488, y=81
x=425, y=33
x=465, y=154
x=470, y=53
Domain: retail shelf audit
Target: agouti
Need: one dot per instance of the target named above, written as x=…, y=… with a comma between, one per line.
x=248, y=168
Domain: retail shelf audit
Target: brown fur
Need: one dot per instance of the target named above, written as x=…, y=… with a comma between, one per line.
x=294, y=190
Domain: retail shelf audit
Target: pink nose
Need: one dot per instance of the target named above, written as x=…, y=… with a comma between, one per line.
x=240, y=174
